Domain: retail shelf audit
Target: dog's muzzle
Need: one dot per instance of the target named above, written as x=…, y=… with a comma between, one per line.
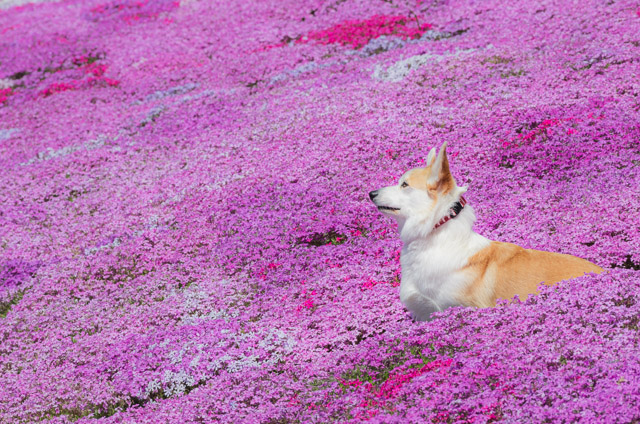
x=373, y=195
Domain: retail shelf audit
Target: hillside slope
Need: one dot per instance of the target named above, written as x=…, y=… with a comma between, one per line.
x=185, y=232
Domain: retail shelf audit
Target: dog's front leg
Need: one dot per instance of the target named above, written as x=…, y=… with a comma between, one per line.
x=420, y=306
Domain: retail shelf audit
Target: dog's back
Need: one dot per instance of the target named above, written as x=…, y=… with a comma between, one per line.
x=504, y=270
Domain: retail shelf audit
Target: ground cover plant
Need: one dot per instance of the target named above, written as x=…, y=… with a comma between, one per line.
x=185, y=233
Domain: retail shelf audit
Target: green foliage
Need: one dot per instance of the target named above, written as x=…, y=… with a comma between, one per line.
x=6, y=305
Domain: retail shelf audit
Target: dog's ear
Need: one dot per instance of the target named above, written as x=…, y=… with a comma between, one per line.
x=431, y=157
x=440, y=177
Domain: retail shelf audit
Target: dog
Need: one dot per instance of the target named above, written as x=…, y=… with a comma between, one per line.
x=444, y=262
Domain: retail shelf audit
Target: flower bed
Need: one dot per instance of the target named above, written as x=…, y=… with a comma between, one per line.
x=185, y=232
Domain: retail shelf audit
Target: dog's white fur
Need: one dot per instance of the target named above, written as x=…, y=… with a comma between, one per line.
x=452, y=265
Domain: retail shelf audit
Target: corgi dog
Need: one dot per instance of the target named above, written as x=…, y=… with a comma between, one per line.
x=444, y=262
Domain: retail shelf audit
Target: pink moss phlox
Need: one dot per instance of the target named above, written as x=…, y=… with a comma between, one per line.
x=308, y=297
x=357, y=33
x=94, y=76
x=132, y=11
x=392, y=386
x=5, y=93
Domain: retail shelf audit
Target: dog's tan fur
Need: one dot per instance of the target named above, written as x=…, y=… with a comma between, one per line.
x=418, y=178
x=504, y=270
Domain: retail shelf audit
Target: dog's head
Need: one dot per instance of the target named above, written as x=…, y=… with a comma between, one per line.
x=424, y=194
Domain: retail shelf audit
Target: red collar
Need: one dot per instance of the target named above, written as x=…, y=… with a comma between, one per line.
x=453, y=211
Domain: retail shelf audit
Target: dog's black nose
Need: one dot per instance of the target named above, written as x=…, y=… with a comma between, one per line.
x=373, y=194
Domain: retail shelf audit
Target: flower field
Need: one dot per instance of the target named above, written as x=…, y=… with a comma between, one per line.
x=186, y=234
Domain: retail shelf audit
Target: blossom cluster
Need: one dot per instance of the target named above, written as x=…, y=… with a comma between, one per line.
x=186, y=234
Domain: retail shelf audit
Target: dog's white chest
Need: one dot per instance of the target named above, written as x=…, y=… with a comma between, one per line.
x=431, y=273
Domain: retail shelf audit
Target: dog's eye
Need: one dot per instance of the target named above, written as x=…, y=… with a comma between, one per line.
x=404, y=184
